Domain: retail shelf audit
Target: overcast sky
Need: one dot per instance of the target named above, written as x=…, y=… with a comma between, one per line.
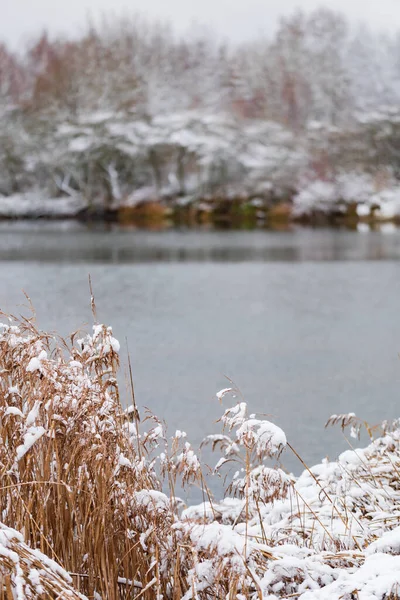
x=234, y=19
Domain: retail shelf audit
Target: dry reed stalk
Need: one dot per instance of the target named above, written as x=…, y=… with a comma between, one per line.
x=83, y=515
x=69, y=472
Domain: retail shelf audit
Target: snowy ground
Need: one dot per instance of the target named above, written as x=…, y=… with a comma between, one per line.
x=35, y=205
x=347, y=189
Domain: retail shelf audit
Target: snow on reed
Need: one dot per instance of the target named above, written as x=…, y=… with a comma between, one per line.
x=84, y=515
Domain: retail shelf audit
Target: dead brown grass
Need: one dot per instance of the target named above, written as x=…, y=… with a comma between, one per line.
x=78, y=481
x=82, y=514
x=72, y=494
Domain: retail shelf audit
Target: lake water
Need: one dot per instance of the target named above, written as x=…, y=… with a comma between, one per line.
x=306, y=322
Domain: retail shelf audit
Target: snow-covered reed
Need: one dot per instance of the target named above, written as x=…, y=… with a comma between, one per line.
x=83, y=514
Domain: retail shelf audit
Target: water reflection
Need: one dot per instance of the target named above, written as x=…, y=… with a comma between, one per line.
x=74, y=242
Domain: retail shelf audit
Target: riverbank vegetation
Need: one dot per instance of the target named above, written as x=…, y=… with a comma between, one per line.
x=84, y=513
x=131, y=119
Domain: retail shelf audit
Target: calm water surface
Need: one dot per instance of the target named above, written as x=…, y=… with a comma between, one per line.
x=306, y=323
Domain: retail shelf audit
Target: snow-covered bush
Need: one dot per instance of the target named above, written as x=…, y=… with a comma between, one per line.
x=316, y=196
x=114, y=159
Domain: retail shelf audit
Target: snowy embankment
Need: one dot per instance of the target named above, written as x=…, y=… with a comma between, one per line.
x=81, y=488
x=35, y=205
x=349, y=189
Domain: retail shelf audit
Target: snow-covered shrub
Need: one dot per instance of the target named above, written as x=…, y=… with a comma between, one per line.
x=316, y=196
x=114, y=159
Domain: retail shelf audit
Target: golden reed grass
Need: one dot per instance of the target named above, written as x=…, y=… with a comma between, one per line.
x=82, y=513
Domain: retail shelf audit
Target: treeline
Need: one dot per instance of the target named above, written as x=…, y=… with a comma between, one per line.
x=315, y=67
x=131, y=112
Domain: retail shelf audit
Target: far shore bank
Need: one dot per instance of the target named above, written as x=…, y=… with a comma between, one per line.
x=235, y=213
